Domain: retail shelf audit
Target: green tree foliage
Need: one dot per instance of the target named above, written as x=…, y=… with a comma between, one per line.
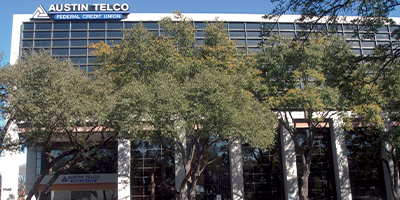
x=191, y=99
x=52, y=102
x=300, y=82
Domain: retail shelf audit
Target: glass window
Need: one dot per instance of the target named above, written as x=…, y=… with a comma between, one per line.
x=382, y=29
x=199, y=34
x=253, y=34
x=288, y=34
x=60, y=43
x=319, y=27
x=96, y=25
x=58, y=26
x=78, y=60
x=114, y=25
x=97, y=34
x=27, y=43
x=270, y=26
x=236, y=25
x=356, y=51
x=28, y=26
x=27, y=35
x=350, y=36
x=354, y=43
x=253, y=42
x=286, y=26
x=337, y=27
x=113, y=42
x=200, y=42
x=95, y=41
x=42, y=34
x=78, y=52
x=76, y=34
x=150, y=25
x=63, y=34
x=114, y=34
x=383, y=43
x=60, y=52
x=250, y=25
x=300, y=26
x=350, y=27
x=255, y=49
x=78, y=25
x=200, y=25
x=42, y=43
x=237, y=34
x=79, y=43
x=129, y=25
x=42, y=26
x=91, y=59
x=368, y=43
x=241, y=42
x=382, y=36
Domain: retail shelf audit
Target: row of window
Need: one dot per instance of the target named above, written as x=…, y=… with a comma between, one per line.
x=200, y=25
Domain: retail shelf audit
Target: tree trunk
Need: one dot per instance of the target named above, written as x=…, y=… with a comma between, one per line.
x=395, y=184
x=305, y=164
x=192, y=191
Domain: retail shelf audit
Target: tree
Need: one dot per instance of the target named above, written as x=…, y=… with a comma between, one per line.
x=52, y=102
x=21, y=179
x=299, y=76
x=190, y=99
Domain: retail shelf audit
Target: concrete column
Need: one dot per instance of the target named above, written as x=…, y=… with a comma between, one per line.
x=31, y=166
x=288, y=158
x=9, y=177
x=236, y=171
x=339, y=157
x=124, y=169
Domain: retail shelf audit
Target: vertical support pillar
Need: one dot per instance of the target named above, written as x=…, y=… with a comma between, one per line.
x=288, y=158
x=387, y=173
x=236, y=171
x=124, y=169
x=31, y=167
x=9, y=178
x=339, y=157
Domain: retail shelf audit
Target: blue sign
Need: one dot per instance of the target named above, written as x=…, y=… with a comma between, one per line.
x=87, y=16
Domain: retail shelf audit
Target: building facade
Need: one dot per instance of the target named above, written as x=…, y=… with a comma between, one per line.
x=340, y=160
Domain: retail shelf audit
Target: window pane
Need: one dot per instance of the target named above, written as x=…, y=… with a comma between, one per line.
x=78, y=60
x=356, y=51
x=235, y=25
x=150, y=25
x=286, y=26
x=270, y=26
x=368, y=43
x=237, y=33
x=114, y=25
x=368, y=51
x=95, y=41
x=382, y=36
x=129, y=25
x=75, y=34
x=354, y=43
x=200, y=25
x=61, y=25
x=63, y=34
x=113, y=42
x=59, y=43
x=288, y=34
x=114, y=34
x=199, y=34
x=41, y=26
x=96, y=34
x=241, y=42
x=350, y=35
x=42, y=43
x=383, y=29
x=253, y=42
x=350, y=27
x=27, y=43
x=253, y=25
x=95, y=25
x=78, y=43
x=46, y=34
x=301, y=26
x=60, y=52
x=28, y=26
x=78, y=52
x=253, y=34
x=77, y=25
x=27, y=35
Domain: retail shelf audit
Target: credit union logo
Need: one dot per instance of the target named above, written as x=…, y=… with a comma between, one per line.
x=96, y=11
